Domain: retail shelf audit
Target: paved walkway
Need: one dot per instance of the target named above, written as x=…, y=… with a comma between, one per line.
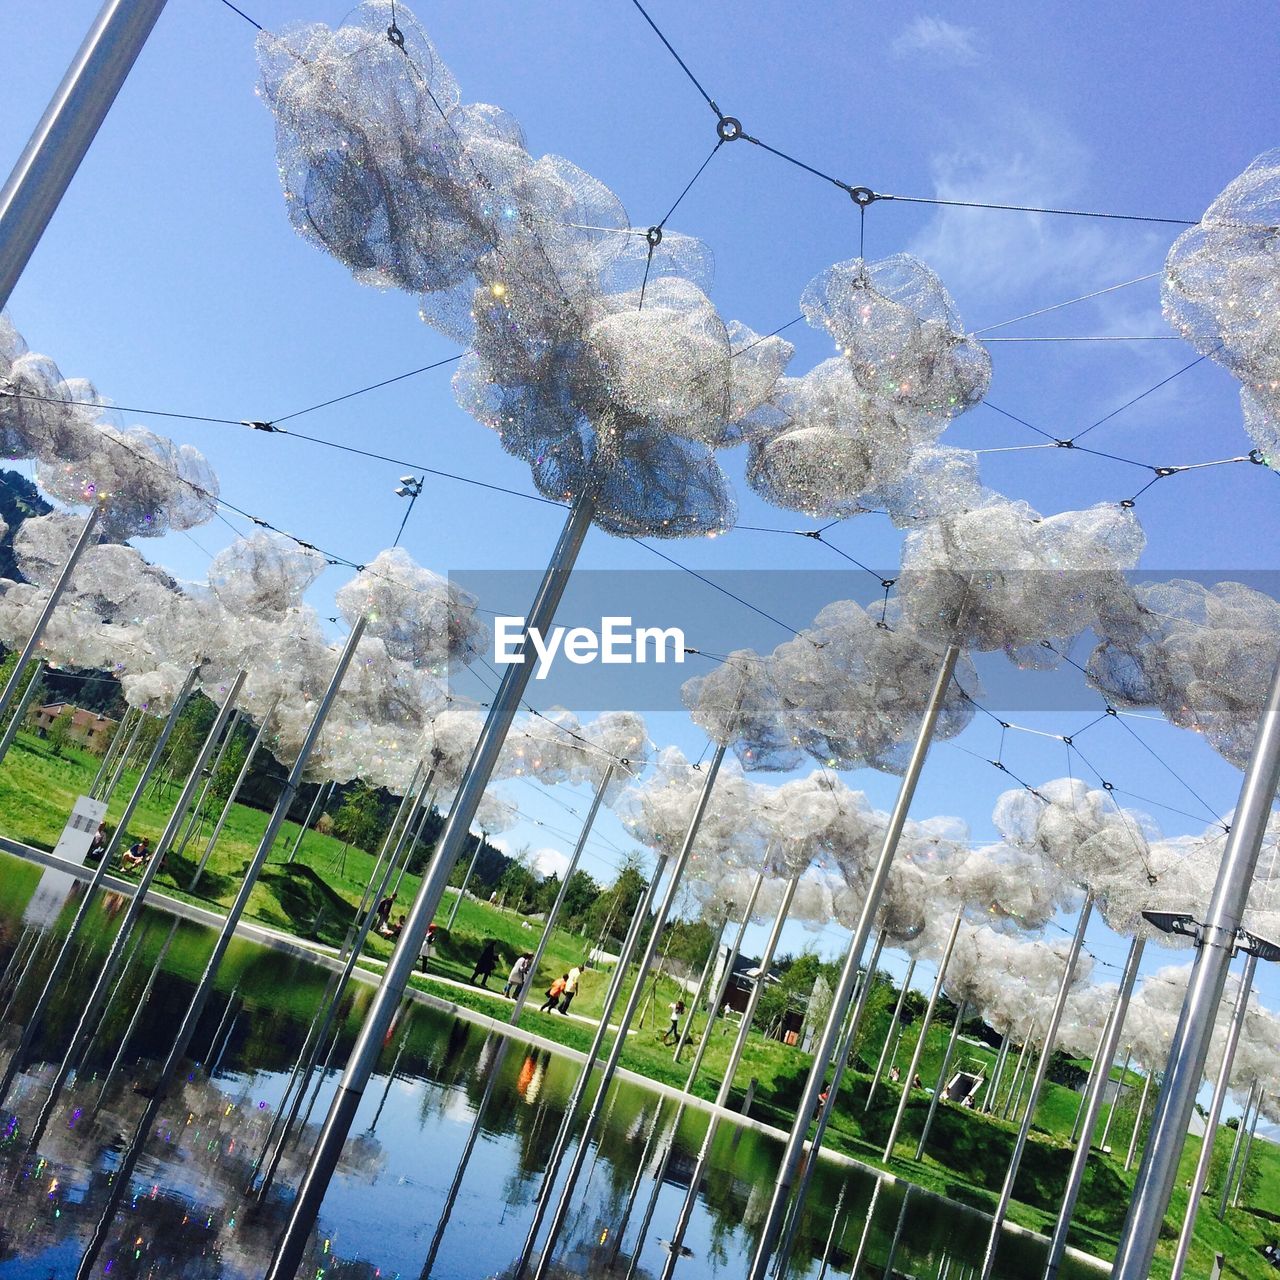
x=368, y=970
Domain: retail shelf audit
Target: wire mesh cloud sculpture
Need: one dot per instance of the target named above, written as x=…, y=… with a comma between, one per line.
x=1201, y=654
x=595, y=353
x=1221, y=291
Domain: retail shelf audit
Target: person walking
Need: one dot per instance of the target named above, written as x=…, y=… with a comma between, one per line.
x=672, y=1033
x=571, y=980
x=515, y=979
x=554, y=992
x=487, y=963
x=383, y=912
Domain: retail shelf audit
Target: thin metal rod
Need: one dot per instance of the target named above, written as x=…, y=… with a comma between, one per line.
x=683, y=1038
x=531, y=974
x=95, y=1002
x=53, y=154
x=826, y=1110
x=204, y=988
x=395, y=978
x=634, y=999
x=55, y=592
x=232, y=795
x=122, y=763
x=466, y=880
x=909, y=1076
x=584, y=1075
x=1248, y=1149
x=808, y=1101
x=730, y=1070
x=1037, y=1083
x=1094, y=1080
x=20, y=711
x=994, y=1083
x=1092, y=1109
x=1190, y=1045
x=620, y=1234
x=866, y=1230
x=1019, y=1069
x=961, y=1014
x=109, y=753
x=897, y=1233
x=1241, y=1126
x=1115, y=1102
x=1201, y=1175
x=324, y=790
x=196, y=819
x=893, y=1023
x=1137, y=1122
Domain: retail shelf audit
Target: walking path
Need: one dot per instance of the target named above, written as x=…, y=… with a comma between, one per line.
x=369, y=969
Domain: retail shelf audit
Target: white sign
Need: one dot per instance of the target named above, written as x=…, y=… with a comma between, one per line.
x=51, y=893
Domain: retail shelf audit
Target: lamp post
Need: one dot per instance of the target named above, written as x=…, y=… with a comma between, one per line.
x=409, y=487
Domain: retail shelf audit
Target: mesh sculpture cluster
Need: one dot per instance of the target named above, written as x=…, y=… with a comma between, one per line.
x=1221, y=291
x=143, y=483
x=861, y=430
x=594, y=352
x=1002, y=576
x=1202, y=655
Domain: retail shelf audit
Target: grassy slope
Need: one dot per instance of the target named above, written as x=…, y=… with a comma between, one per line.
x=316, y=895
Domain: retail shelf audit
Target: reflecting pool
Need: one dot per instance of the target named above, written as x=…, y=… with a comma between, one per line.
x=448, y=1086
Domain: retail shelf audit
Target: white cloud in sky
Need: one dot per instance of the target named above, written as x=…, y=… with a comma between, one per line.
x=549, y=861
x=938, y=40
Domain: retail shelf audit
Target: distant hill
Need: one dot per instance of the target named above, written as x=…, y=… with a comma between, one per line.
x=19, y=501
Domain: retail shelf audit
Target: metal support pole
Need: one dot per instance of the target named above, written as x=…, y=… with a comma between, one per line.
x=620, y=1234
x=1241, y=1125
x=1137, y=1122
x=108, y=755
x=893, y=1022
x=395, y=978
x=15, y=721
x=702, y=990
x=1094, y=1081
x=197, y=810
x=1019, y=1071
x=1092, y=1109
x=628, y=1014
x=96, y=1000
x=584, y=1075
x=831, y=1234
x=908, y=1078
x=1201, y=1175
x=324, y=790
x=32, y=1026
x=961, y=1013
x=897, y=1233
x=531, y=974
x=849, y=975
x=53, y=154
x=826, y=1110
x=232, y=794
x=466, y=880
x=1248, y=1149
x=122, y=761
x=730, y=1070
x=993, y=1084
x=204, y=988
x=429, y=797
x=1190, y=1045
x=1115, y=1102
x=866, y=1230
x=1037, y=1083
x=55, y=592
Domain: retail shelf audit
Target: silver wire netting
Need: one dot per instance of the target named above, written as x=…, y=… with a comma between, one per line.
x=595, y=353
x=1221, y=291
x=263, y=574
x=1203, y=655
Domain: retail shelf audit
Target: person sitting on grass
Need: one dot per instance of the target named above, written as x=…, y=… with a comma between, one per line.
x=394, y=930
x=136, y=855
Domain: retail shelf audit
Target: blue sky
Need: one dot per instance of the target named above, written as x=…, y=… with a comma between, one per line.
x=172, y=279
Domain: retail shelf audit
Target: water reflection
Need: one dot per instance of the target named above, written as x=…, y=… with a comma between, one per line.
x=403, y=1202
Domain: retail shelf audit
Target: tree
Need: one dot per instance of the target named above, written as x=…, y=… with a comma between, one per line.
x=60, y=731
x=614, y=909
x=359, y=818
x=518, y=885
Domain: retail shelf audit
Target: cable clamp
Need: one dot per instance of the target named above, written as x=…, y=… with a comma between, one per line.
x=1255, y=456
x=396, y=36
x=1065, y=444
x=259, y=426
x=863, y=196
x=654, y=237
x=728, y=128
x=1161, y=472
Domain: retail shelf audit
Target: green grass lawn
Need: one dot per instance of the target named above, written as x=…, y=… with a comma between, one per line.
x=316, y=896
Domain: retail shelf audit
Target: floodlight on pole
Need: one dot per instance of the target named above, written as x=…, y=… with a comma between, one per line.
x=409, y=487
